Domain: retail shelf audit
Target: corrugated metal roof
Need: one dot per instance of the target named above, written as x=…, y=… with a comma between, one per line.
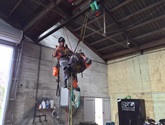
x=136, y=21
x=7, y=5
x=29, y=9
x=150, y=38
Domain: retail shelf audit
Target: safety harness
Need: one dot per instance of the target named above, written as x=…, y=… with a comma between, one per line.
x=64, y=52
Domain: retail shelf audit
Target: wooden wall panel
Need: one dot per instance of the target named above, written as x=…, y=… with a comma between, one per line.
x=156, y=62
x=133, y=77
x=144, y=74
x=141, y=77
x=159, y=105
x=116, y=75
x=125, y=77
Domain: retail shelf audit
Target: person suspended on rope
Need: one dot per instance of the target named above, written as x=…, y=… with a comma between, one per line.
x=62, y=53
x=78, y=63
x=70, y=62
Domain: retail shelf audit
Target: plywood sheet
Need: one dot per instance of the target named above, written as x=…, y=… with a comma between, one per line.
x=116, y=72
x=144, y=68
x=159, y=105
x=125, y=77
x=146, y=86
x=144, y=71
x=156, y=63
x=116, y=78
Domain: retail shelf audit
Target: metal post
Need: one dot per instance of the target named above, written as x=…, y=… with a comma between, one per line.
x=104, y=34
x=35, y=108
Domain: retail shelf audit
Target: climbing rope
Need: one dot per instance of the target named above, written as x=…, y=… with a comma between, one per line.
x=70, y=103
x=83, y=30
x=71, y=93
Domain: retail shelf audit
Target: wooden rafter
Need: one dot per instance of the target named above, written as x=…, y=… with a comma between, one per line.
x=15, y=7
x=112, y=10
x=119, y=26
x=65, y=23
x=131, y=28
x=134, y=50
x=142, y=10
x=135, y=38
x=38, y=17
x=108, y=37
x=127, y=17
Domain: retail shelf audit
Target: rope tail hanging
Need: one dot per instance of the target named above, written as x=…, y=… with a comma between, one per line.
x=83, y=30
x=70, y=104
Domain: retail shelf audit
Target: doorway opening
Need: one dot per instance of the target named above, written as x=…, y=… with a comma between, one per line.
x=99, y=111
x=6, y=53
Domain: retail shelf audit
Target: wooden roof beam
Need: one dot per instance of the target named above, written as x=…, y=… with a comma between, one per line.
x=12, y=23
x=141, y=10
x=57, y=10
x=127, y=17
x=135, y=38
x=110, y=37
x=91, y=21
x=109, y=46
x=92, y=33
x=64, y=23
x=123, y=31
x=150, y=33
x=15, y=7
x=38, y=17
x=80, y=4
x=112, y=10
x=134, y=50
x=131, y=28
x=107, y=37
x=146, y=22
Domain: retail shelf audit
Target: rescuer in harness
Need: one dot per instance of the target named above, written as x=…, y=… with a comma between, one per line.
x=62, y=53
x=70, y=62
